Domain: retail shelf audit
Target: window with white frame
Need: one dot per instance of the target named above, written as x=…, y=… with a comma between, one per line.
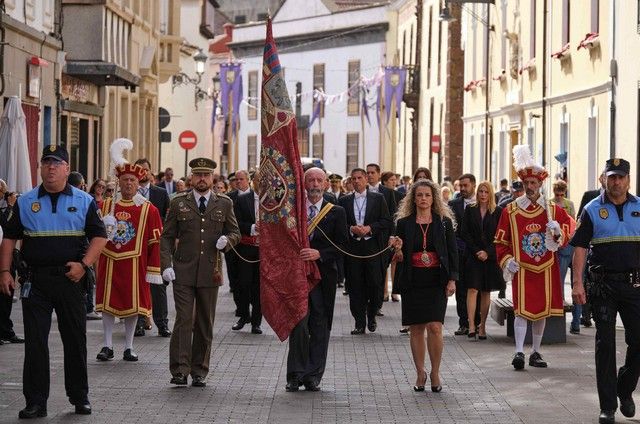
x=472, y=148
x=352, y=150
x=252, y=149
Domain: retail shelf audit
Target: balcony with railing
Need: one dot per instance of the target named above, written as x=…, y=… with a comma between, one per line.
x=411, y=95
x=102, y=55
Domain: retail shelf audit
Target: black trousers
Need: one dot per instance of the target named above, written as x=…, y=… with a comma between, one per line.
x=68, y=299
x=159, y=309
x=613, y=298
x=309, y=341
x=461, y=293
x=6, y=325
x=232, y=261
x=249, y=286
x=365, y=278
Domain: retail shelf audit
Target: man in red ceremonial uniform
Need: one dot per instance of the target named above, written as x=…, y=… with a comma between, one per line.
x=129, y=262
x=530, y=231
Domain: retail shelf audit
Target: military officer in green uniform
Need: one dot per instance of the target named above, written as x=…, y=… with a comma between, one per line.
x=199, y=224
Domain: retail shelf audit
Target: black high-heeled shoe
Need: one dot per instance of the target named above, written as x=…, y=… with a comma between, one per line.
x=472, y=336
x=421, y=388
x=436, y=389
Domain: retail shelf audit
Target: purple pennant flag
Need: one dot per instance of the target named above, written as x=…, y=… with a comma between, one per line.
x=365, y=108
x=394, y=79
x=316, y=113
x=231, y=90
x=378, y=107
x=213, y=113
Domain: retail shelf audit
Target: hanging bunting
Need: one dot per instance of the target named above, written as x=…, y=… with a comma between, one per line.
x=231, y=90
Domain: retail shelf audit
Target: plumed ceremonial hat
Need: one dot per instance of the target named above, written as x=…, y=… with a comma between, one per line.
x=525, y=166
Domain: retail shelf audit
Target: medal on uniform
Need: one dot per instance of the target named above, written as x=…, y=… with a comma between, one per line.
x=425, y=258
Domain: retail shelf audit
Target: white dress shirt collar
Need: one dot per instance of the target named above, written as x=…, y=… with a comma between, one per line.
x=375, y=188
x=244, y=191
x=318, y=205
x=206, y=196
x=523, y=202
x=360, y=195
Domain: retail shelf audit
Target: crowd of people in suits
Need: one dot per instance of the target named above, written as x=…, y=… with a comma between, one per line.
x=392, y=238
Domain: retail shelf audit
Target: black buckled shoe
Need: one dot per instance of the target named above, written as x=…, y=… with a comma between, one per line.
x=13, y=339
x=33, y=411
x=311, y=386
x=164, y=332
x=83, y=408
x=105, y=354
x=239, y=325
x=179, y=379
x=198, y=381
x=130, y=355
x=607, y=417
x=535, y=360
x=255, y=329
x=292, y=386
x=518, y=361
x=357, y=330
x=627, y=406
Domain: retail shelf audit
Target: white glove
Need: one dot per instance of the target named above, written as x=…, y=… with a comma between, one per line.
x=168, y=275
x=550, y=242
x=222, y=242
x=110, y=225
x=153, y=279
x=510, y=268
x=554, y=228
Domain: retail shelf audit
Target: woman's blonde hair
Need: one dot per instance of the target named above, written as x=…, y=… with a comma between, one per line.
x=492, y=195
x=407, y=205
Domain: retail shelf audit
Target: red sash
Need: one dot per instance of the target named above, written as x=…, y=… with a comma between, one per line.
x=425, y=260
x=249, y=240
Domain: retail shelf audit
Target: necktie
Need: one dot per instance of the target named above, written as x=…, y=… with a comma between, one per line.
x=144, y=191
x=202, y=206
x=312, y=214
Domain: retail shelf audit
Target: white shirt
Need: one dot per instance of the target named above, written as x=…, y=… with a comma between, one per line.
x=197, y=197
x=168, y=185
x=469, y=201
x=145, y=190
x=360, y=209
x=317, y=205
x=523, y=202
x=256, y=208
x=375, y=188
x=243, y=191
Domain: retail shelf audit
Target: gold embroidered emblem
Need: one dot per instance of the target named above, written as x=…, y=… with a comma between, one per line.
x=52, y=147
x=35, y=207
x=616, y=162
x=202, y=162
x=604, y=213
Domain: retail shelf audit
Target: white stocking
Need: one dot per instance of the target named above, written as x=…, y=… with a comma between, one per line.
x=520, y=330
x=537, y=330
x=129, y=330
x=107, y=327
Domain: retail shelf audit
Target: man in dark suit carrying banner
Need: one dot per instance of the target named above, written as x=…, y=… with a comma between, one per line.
x=285, y=278
x=309, y=340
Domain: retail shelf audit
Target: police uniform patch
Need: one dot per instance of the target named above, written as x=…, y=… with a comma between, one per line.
x=604, y=213
x=616, y=162
x=35, y=207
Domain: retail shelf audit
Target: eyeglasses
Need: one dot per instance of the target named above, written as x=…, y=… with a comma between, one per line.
x=109, y=189
x=51, y=162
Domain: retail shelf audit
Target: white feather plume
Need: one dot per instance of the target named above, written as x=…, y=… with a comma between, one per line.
x=117, y=149
x=522, y=157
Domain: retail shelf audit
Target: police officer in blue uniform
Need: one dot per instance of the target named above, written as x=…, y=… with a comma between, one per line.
x=610, y=228
x=62, y=236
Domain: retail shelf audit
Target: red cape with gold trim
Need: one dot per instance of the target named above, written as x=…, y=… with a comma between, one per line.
x=536, y=288
x=134, y=252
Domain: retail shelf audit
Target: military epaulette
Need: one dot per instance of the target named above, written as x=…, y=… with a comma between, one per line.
x=179, y=196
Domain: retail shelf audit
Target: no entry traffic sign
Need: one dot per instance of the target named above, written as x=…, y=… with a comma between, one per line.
x=187, y=140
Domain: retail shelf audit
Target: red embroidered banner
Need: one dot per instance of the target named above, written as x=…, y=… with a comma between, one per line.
x=285, y=280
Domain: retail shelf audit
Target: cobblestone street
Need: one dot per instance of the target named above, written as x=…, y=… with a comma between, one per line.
x=369, y=379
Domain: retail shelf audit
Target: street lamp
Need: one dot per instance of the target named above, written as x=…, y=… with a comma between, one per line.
x=181, y=78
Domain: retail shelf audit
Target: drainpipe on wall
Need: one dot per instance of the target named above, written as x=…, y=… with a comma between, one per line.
x=613, y=74
x=544, y=82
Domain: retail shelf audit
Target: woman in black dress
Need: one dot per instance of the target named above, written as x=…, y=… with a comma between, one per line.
x=478, y=229
x=427, y=258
